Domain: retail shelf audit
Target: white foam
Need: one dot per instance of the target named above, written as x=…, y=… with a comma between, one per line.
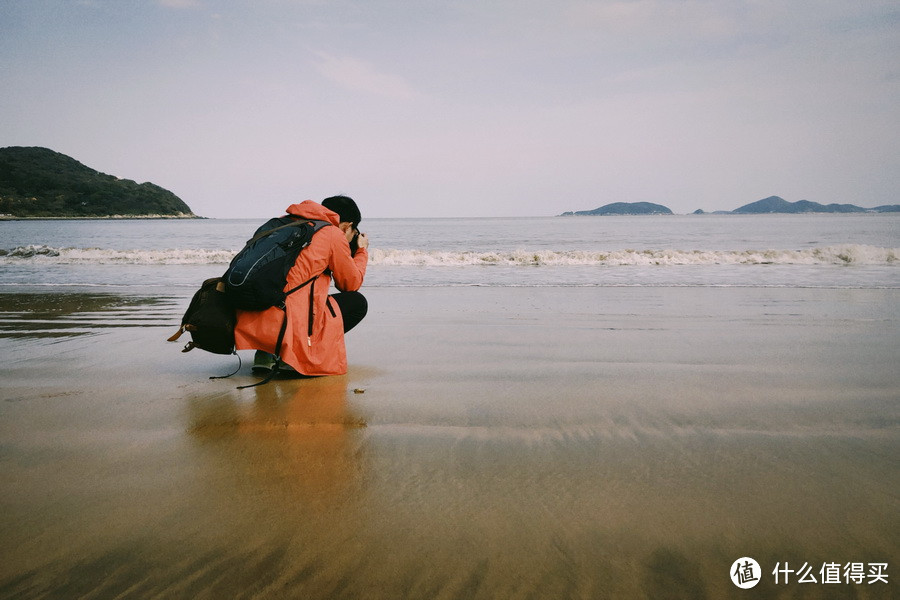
x=75, y=256
x=848, y=254
x=829, y=255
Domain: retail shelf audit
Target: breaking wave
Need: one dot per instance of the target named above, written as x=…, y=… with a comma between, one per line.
x=849, y=254
x=95, y=256
x=841, y=255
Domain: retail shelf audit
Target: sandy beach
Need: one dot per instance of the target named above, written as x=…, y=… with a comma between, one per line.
x=486, y=443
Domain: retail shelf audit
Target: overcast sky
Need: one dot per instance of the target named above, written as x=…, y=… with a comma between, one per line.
x=463, y=107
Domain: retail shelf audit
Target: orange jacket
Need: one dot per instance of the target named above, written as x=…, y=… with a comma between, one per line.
x=323, y=352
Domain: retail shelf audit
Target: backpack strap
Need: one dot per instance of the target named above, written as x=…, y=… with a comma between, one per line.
x=294, y=289
x=230, y=374
x=275, y=369
x=309, y=327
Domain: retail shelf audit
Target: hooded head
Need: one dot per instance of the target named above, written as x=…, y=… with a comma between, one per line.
x=346, y=209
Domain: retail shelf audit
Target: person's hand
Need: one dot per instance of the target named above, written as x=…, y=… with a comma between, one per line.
x=362, y=241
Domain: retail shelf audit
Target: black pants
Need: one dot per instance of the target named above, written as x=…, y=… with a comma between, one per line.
x=353, y=308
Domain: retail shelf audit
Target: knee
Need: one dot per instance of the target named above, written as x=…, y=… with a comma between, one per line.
x=360, y=304
x=354, y=307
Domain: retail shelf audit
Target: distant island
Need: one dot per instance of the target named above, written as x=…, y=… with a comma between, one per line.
x=770, y=205
x=774, y=204
x=40, y=183
x=623, y=208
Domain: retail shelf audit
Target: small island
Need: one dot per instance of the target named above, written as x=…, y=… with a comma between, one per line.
x=776, y=204
x=622, y=208
x=40, y=183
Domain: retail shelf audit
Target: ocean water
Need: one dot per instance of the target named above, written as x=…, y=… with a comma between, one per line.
x=814, y=251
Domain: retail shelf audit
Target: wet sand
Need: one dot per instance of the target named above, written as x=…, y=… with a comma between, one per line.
x=486, y=443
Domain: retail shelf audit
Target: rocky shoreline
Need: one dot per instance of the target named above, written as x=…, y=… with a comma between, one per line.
x=101, y=218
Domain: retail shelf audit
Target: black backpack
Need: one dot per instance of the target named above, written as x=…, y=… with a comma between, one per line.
x=256, y=277
x=210, y=320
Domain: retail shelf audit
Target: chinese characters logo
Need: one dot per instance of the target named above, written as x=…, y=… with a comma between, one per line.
x=745, y=572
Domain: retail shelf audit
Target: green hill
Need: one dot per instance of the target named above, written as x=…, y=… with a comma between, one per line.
x=37, y=182
x=775, y=204
x=623, y=208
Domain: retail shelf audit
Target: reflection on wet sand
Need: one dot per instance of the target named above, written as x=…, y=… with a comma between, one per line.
x=293, y=441
x=53, y=315
x=251, y=501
